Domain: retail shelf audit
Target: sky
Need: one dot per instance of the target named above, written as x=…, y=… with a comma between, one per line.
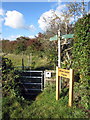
x=26, y=18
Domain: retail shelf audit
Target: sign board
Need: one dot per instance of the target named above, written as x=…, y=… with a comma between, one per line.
x=67, y=36
x=55, y=37
x=64, y=73
x=48, y=74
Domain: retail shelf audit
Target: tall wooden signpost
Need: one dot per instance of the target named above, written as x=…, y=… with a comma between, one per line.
x=66, y=74
x=59, y=56
x=63, y=72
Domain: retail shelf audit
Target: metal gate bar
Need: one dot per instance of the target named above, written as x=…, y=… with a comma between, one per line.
x=31, y=77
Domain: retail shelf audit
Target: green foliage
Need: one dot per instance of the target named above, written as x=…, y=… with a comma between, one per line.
x=81, y=58
x=17, y=59
x=45, y=106
x=51, y=53
x=20, y=47
x=10, y=88
x=13, y=106
x=9, y=78
x=39, y=46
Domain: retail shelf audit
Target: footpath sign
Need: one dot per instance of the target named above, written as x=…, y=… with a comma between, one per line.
x=66, y=74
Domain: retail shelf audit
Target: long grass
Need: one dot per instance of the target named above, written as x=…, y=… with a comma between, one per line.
x=17, y=59
x=34, y=61
x=45, y=106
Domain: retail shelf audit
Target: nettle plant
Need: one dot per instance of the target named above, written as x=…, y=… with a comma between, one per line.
x=81, y=56
x=9, y=78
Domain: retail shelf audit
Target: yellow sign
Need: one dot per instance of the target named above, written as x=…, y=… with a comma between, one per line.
x=67, y=74
x=64, y=73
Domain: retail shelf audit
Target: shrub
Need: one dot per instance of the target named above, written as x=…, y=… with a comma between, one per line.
x=10, y=82
x=81, y=58
x=11, y=90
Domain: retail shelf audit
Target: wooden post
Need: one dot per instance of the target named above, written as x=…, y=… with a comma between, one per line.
x=71, y=87
x=22, y=60
x=59, y=55
x=22, y=64
x=57, y=84
x=59, y=49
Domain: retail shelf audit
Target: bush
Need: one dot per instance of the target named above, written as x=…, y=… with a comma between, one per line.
x=81, y=58
x=10, y=87
x=7, y=76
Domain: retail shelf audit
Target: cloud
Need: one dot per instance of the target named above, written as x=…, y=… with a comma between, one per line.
x=31, y=36
x=1, y=21
x=48, y=16
x=12, y=37
x=15, y=19
x=45, y=19
x=1, y=18
x=60, y=7
x=1, y=12
x=31, y=27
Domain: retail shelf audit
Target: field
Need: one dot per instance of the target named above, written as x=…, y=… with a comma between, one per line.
x=34, y=61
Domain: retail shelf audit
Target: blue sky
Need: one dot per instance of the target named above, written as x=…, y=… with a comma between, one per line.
x=31, y=12
x=28, y=13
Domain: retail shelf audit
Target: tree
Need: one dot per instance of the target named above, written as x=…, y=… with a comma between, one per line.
x=21, y=44
x=76, y=9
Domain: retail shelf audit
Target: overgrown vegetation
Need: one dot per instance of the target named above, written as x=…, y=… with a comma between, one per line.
x=81, y=59
x=45, y=105
x=8, y=77
x=30, y=49
x=10, y=87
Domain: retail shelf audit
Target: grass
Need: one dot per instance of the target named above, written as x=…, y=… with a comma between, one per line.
x=36, y=62
x=17, y=59
x=45, y=106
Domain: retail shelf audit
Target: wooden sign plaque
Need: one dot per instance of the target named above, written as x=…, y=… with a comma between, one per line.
x=66, y=74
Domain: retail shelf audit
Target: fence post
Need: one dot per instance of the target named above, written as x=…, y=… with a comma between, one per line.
x=57, y=84
x=22, y=64
x=71, y=82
